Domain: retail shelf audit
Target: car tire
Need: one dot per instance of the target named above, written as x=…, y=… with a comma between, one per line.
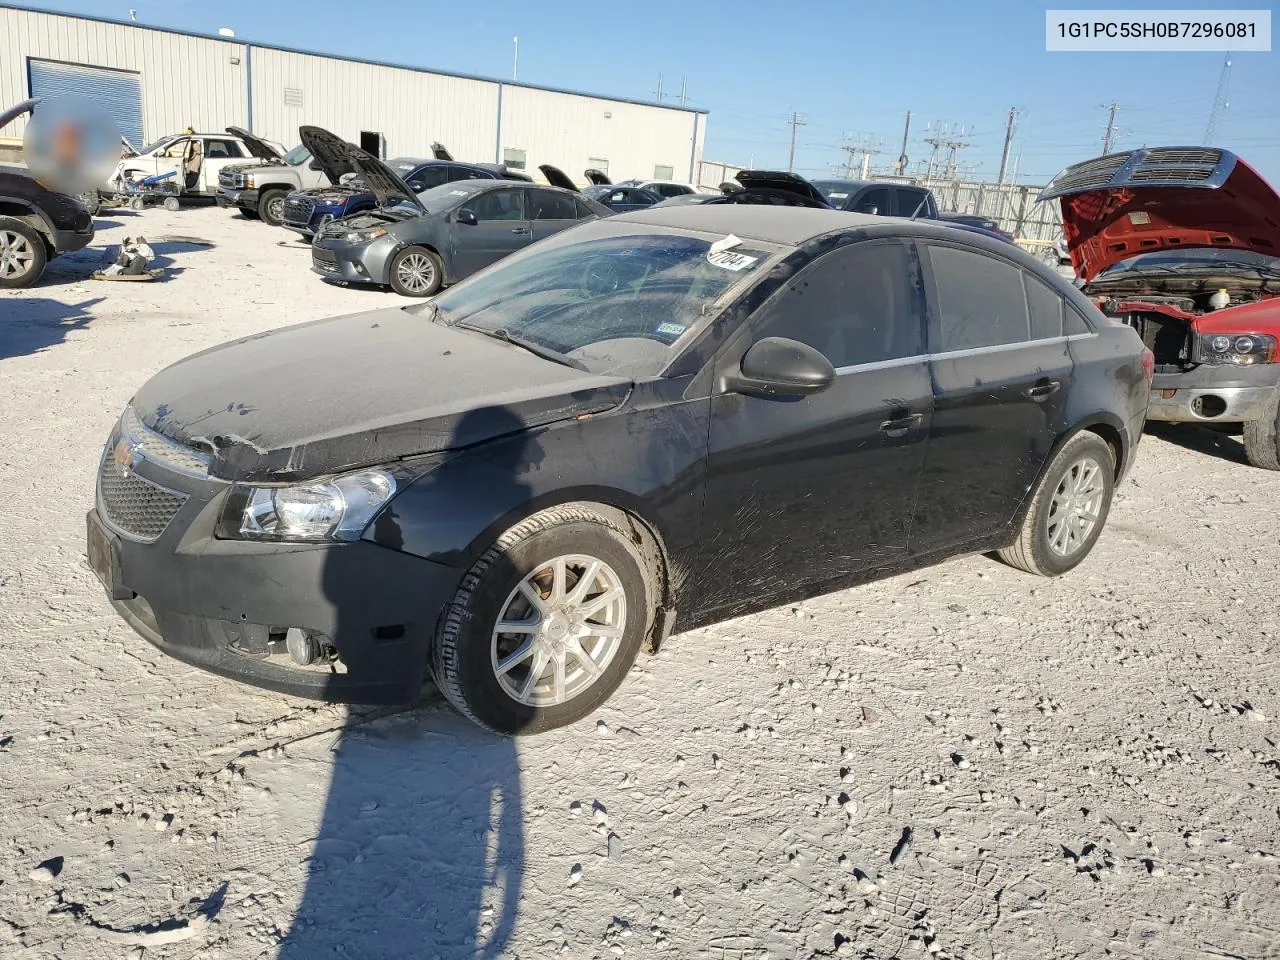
x=172, y=205
x=271, y=207
x=545, y=552
x=416, y=272
x=1078, y=483
x=248, y=214
x=1262, y=436
x=22, y=254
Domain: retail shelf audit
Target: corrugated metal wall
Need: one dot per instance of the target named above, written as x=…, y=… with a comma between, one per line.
x=185, y=80
x=204, y=82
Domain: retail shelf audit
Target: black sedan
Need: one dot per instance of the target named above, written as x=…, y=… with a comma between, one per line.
x=653, y=421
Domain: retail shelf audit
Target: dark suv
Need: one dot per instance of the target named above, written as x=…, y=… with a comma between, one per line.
x=881, y=199
x=35, y=223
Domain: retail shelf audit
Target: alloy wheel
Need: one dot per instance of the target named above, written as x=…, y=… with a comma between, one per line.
x=558, y=630
x=16, y=255
x=1075, y=507
x=416, y=272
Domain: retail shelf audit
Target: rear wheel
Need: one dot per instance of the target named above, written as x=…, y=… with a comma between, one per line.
x=171, y=204
x=416, y=272
x=271, y=207
x=1262, y=436
x=22, y=254
x=546, y=624
x=1068, y=510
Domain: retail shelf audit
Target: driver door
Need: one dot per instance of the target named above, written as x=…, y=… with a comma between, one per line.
x=805, y=490
x=501, y=229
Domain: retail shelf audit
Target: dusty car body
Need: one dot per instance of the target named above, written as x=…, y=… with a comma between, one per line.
x=1183, y=244
x=518, y=484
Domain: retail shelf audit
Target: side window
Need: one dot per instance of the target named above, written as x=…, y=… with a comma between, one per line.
x=643, y=197
x=875, y=200
x=584, y=211
x=177, y=149
x=617, y=196
x=860, y=303
x=911, y=200
x=670, y=189
x=1045, y=309
x=498, y=205
x=981, y=302
x=465, y=173
x=424, y=178
x=546, y=205
x=1073, y=323
x=223, y=149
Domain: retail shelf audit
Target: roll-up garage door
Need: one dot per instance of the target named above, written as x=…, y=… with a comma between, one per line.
x=118, y=91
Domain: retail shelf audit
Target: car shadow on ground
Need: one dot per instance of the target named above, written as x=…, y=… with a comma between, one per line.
x=43, y=323
x=420, y=852
x=1214, y=443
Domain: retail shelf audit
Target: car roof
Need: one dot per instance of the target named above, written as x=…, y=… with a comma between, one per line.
x=790, y=226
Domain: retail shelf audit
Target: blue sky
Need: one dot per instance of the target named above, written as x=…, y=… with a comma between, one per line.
x=849, y=68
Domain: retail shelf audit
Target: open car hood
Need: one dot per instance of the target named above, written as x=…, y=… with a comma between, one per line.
x=255, y=145
x=597, y=177
x=439, y=151
x=557, y=177
x=1161, y=198
x=383, y=182
x=777, y=180
x=320, y=144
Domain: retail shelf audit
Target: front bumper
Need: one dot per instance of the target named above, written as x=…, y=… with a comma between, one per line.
x=67, y=241
x=222, y=604
x=1211, y=393
x=354, y=263
x=244, y=199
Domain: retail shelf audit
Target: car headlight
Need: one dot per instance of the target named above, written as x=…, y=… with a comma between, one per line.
x=364, y=236
x=248, y=180
x=339, y=508
x=1237, y=348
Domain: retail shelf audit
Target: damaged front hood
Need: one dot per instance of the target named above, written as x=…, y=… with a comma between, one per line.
x=1163, y=198
x=347, y=392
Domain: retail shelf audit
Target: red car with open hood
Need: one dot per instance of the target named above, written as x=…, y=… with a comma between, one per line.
x=1183, y=244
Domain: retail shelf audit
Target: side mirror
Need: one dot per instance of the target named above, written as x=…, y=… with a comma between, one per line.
x=467, y=217
x=873, y=210
x=416, y=187
x=778, y=367
x=314, y=165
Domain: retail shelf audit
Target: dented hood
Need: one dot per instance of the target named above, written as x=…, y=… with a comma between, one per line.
x=255, y=145
x=1162, y=198
x=348, y=392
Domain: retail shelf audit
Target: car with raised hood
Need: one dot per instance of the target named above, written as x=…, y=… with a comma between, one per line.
x=199, y=160
x=758, y=187
x=661, y=418
x=418, y=242
x=1183, y=244
x=259, y=189
x=307, y=211
x=618, y=197
x=36, y=223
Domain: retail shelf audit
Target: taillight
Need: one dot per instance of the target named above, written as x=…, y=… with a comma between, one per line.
x=1148, y=364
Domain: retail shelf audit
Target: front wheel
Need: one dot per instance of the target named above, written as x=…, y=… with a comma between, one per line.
x=271, y=207
x=171, y=204
x=1262, y=436
x=416, y=272
x=1068, y=509
x=22, y=254
x=546, y=624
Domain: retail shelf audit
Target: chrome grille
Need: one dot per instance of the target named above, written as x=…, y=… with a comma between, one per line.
x=161, y=450
x=298, y=210
x=227, y=178
x=133, y=506
x=1091, y=173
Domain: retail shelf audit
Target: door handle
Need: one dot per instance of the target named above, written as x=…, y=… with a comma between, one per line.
x=519, y=229
x=1042, y=391
x=899, y=427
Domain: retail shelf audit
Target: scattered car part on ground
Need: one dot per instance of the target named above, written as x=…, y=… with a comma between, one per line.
x=36, y=224
x=328, y=521
x=417, y=243
x=1183, y=244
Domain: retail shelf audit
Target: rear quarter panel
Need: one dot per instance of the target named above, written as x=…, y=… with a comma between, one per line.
x=1111, y=388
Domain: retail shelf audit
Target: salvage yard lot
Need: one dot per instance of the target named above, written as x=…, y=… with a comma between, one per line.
x=1065, y=768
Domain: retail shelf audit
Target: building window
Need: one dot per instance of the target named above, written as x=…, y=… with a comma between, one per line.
x=513, y=158
x=598, y=163
x=661, y=172
x=292, y=97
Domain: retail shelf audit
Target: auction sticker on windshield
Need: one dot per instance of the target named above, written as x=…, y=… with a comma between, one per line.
x=730, y=260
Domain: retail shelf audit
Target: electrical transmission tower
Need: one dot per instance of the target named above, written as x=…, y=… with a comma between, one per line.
x=1219, y=103
x=864, y=147
x=945, y=142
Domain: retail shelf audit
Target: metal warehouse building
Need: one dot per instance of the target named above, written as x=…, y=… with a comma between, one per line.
x=157, y=82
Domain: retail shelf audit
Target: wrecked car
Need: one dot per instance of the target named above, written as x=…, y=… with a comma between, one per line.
x=654, y=420
x=307, y=211
x=1183, y=244
x=197, y=160
x=417, y=243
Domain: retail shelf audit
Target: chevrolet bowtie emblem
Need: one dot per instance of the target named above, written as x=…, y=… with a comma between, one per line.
x=126, y=454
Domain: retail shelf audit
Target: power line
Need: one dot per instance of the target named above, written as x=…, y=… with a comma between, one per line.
x=1219, y=102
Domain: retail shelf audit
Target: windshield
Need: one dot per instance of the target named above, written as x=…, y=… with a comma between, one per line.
x=598, y=191
x=616, y=303
x=155, y=145
x=832, y=190
x=297, y=155
x=1165, y=261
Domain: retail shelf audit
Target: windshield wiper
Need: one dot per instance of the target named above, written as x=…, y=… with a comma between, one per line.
x=546, y=353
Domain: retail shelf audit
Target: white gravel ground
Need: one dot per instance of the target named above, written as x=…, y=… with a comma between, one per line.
x=1082, y=767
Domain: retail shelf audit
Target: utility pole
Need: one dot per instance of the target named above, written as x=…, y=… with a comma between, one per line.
x=796, y=121
x=682, y=86
x=1008, y=142
x=1109, y=137
x=515, y=63
x=902, y=156
x=1219, y=103
x=659, y=88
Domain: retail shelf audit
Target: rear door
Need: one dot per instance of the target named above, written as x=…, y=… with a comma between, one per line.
x=501, y=229
x=1001, y=373
x=219, y=152
x=550, y=211
x=812, y=489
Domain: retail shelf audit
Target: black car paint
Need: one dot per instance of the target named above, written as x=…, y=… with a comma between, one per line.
x=711, y=475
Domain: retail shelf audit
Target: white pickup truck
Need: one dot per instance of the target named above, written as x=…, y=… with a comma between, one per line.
x=259, y=189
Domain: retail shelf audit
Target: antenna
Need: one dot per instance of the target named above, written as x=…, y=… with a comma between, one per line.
x=1219, y=103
